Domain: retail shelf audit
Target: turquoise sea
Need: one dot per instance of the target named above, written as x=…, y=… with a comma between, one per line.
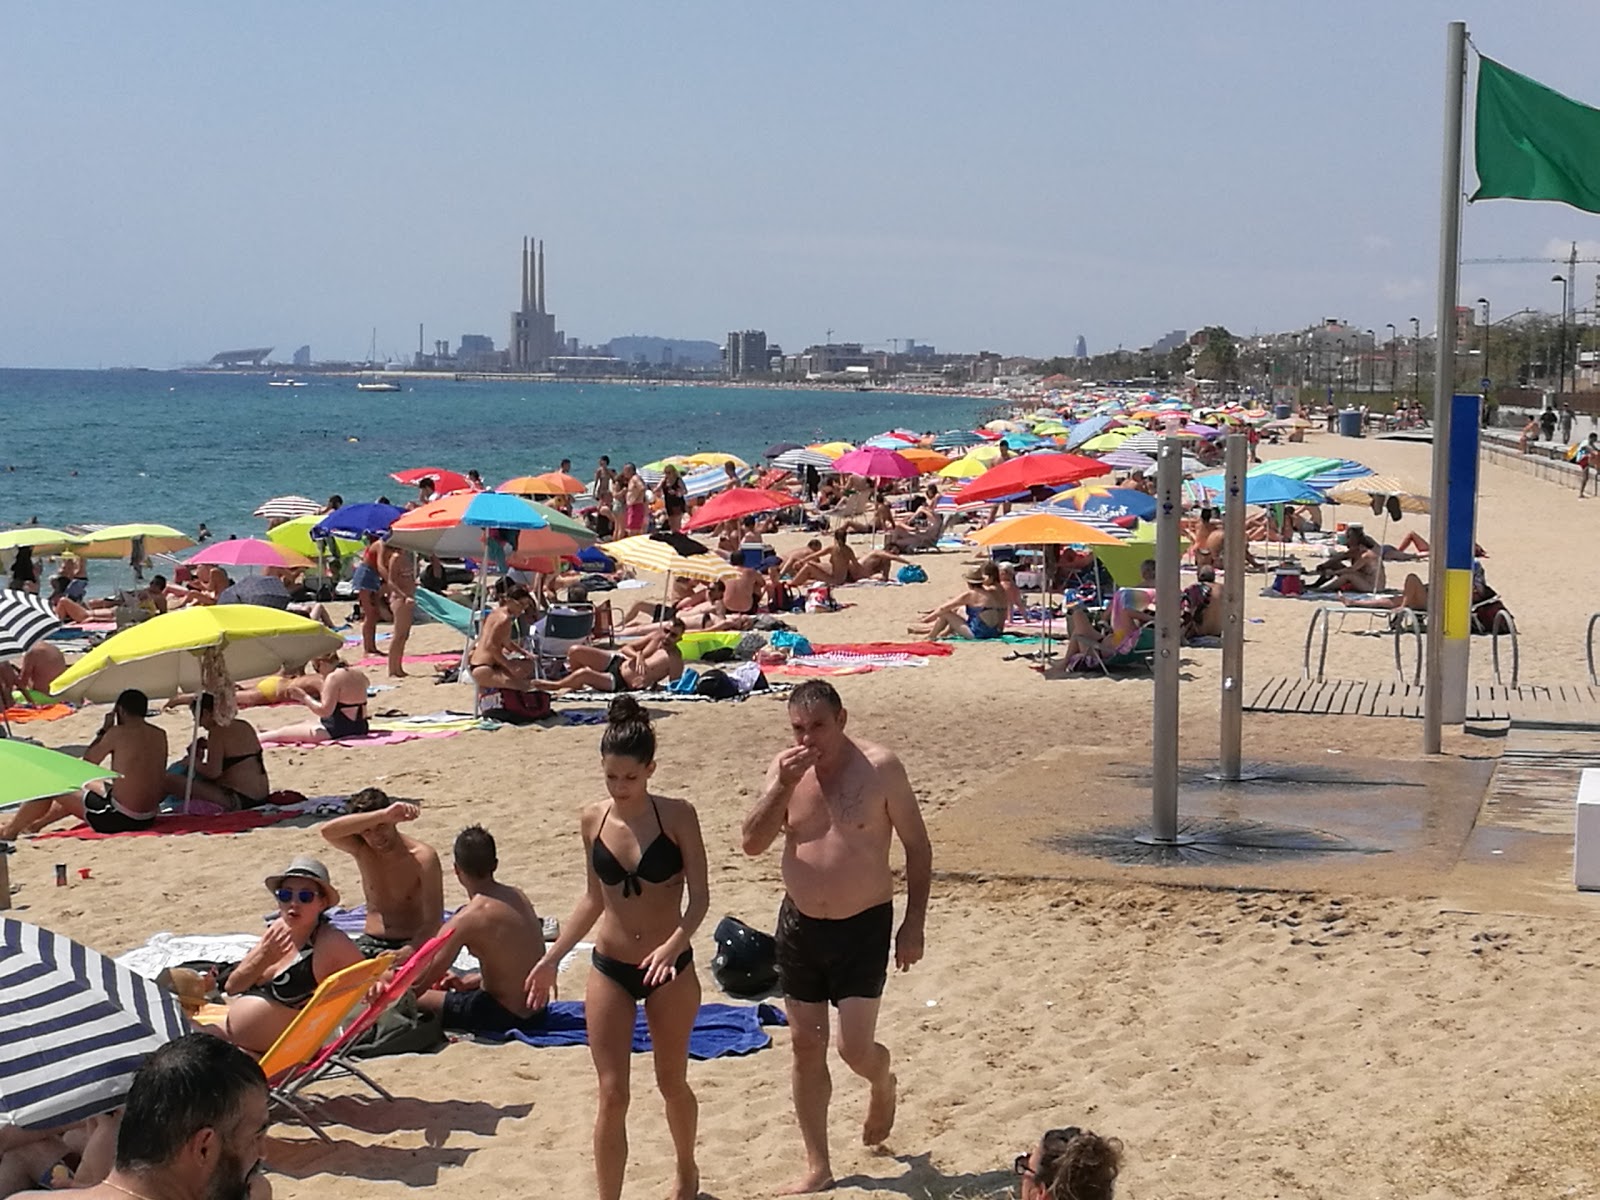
x=186, y=447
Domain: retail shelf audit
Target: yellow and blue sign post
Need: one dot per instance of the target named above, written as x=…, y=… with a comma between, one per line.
x=1461, y=516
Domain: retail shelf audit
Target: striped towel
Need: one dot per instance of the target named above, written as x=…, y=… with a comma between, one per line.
x=838, y=659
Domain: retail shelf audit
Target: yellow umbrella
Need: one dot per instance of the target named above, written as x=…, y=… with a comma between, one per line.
x=832, y=449
x=963, y=468
x=1042, y=529
x=46, y=541
x=116, y=541
x=163, y=656
x=296, y=535
x=646, y=554
x=1108, y=440
x=714, y=458
x=1362, y=491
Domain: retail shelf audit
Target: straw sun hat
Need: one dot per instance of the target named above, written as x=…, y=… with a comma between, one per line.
x=303, y=866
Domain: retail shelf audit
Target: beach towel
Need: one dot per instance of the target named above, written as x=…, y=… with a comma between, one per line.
x=430, y=660
x=921, y=649
x=802, y=671
x=457, y=722
x=174, y=823
x=48, y=712
x=841, y=658
x=383, y=737
x=719, y=1029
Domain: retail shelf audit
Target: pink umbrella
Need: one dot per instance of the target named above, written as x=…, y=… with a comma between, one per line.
x=873, y=462
x=248, y=552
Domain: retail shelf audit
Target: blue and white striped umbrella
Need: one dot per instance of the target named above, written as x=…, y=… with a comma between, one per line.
x=702, y=483
x=24, y=619
x=799, y=460
x=956, y=439
x=77, y=1027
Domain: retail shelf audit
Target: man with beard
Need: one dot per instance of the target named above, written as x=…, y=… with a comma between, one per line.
x=195, y=1127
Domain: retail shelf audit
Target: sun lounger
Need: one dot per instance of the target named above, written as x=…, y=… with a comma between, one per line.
x=288, y=1063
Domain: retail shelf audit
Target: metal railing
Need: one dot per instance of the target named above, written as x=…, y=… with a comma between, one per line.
x=1588, y=640
x=1406, y=621
x=1505, y=624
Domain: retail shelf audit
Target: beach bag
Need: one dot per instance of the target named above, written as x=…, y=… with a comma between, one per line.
x=403, y=1029
x=716, y=685
x=794, y=643
x=516, y=708
x=746, y=963
x=820, y=599
x=911, y=573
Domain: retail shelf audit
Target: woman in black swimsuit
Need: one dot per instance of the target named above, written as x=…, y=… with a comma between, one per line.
x=674, y=497
x=647, y=912
x=298, y=951
x=230, y=771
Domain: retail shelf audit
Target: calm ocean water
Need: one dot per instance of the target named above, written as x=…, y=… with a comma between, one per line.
x=181, y=447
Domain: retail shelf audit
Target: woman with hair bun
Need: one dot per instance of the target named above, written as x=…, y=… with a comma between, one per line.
x=646, y=895
x=1070, y=1164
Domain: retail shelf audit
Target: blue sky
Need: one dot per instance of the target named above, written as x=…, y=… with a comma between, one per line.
x=186, y=177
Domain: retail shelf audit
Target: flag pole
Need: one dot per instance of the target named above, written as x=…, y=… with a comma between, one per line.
x=1445, y=698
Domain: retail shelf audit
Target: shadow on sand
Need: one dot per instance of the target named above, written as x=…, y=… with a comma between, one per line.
x=926, y=1182
x=436, y=1120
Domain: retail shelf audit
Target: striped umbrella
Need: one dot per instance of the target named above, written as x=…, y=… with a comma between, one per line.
x=799, y=460
x=24, y=619
x=956, y=439
x=645, y=553
x=77, y=1026
x=285, y=508
x=697, y=484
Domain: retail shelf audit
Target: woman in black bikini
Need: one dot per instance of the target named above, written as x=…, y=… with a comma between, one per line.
x=230, y=771
x=674, y=497
x=340, y=709
x=641, y=943
x=298, y=951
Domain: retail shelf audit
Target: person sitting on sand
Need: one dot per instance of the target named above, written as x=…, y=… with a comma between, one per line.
x=796, y=560
x=633, y=666
x=74, y=1157
x=497, y=661
x=1069, y=1164
x=42, y=663
x=127, y=804
x=500, y=928
x=979, y=612
x=1361, y=568
x=229, y=770
x=340, y=709
x=63, y=605
x=645, y=896
x=401, y=878
x=300, y=949
x=1015, y=607
x=742, y=594
x=844, y=567
x=1198, y=613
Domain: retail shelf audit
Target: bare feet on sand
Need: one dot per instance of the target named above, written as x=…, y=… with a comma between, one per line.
x=880, y=1115
x=686, y=1189
x=811, y=1181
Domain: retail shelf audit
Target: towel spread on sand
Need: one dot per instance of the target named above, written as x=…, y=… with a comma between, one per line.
x=920, y=649
x=410, y=660
x=21, y=715
x=227, y=822
x=838, y=658
x=382, y=737
x=719, y=1029
x=806, y=672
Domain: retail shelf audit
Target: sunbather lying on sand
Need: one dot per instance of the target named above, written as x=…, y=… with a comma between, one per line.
x=634, y=666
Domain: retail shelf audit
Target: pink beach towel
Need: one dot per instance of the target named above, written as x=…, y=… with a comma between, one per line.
x=412, y=660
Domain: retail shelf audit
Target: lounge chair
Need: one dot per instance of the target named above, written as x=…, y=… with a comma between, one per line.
x=903, y=542
x=333, y=1058
x=287, y=1063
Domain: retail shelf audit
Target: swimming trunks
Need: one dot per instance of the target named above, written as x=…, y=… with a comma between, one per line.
x=661, y=861
x=630, y=976
x=340, y=725
x=634, y=516
x=618, y=683
x=822, y=960
x=371, y=944
x=105, y=815
x=476, y=1011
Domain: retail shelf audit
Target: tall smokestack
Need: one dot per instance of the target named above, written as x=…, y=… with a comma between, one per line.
x=541, y=277
x=526, y=276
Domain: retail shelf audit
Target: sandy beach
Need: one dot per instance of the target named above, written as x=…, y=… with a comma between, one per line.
x=1373, y=1030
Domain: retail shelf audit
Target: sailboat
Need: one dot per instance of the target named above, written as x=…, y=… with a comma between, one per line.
x=375, y=384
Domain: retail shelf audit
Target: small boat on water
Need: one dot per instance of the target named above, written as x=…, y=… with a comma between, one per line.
x=377, y=385
x=286, y=383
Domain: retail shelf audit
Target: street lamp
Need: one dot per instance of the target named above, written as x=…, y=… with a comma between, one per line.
x=1483, y=301
x=1416, y=360
x=1372, y=347
x=1393, y=336
x=1561, y=353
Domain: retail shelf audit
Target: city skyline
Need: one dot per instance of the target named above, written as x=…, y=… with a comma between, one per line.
x=1008, y=179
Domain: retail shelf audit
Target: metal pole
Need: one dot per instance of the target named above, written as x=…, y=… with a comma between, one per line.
x=1445, y=698
x=1236, y=463
x=1164, y=717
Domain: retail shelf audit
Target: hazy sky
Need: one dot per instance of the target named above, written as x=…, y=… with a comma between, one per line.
x=182, y=178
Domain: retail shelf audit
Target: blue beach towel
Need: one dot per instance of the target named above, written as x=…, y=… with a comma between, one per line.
x=719, y=1029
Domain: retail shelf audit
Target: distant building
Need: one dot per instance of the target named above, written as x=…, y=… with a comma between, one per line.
x=1081, y=350
x=1165, y=344
x=746, y=356
x=302, y=357
x=535, y=340
x=252, y=357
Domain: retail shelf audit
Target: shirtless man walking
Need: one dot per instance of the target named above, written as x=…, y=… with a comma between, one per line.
x=499, y=926
x=400, y=876
x=837, y=801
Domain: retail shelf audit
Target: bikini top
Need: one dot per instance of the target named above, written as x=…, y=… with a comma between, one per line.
x=660, y=862
x=233, y=760
x=293, y=986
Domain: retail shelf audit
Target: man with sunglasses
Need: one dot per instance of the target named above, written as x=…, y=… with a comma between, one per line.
x=401, y=877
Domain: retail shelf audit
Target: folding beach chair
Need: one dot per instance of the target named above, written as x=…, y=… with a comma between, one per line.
x=331, y=1060
x=313, y=1027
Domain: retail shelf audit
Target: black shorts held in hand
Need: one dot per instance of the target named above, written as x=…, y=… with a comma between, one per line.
x=826, y=961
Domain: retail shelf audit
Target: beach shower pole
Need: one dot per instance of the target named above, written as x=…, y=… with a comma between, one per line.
x=1235, y=465
x=1164, y=718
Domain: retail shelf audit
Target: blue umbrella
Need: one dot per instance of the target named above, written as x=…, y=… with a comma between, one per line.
x=1109, y=502
x=357, y=520
x=1021, y=441
x=500, y=510
x=1266, y=489
x=956, y=439
x=1086, y=429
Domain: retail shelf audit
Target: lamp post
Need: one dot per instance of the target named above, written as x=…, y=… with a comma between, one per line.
x=1393, y=336
x=1486, y=375
x=1372, y=368
x=1561, y=351
x=1416, y=360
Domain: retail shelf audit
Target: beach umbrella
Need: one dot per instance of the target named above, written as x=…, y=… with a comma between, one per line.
x=356, y=520
x=1111, y=501
x=778, y=448
x=248, y=552
x=963, y=468
x=1021, y=441
x=736, y=503
x=78, y=1027
x=873, y=462
x=24, y=619
x=646, y=553
x=295, y=535
x=1304, y=466
x=705, y=481
x=1111, y=439
x=265, y=590
x=1032, y=470
x=714, y=458
x=284, y=508
x=29, y=772
x=165, y=655
x=832, y=449
x=453, y=527
x=551, y=483
x=1267, y=489
x=926, y=461
x=116, y=541
x=522, y=485
x=443, y=481
x=955, y=439
x=37, y=537
x=1044, y=529
x=1128, y=460
x=1367, y=489
x=798, y=460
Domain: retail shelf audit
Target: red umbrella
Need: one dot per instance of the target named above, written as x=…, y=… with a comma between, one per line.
x=735, y=503
x=1031, y=470
x=444, y=481
x=874, y=462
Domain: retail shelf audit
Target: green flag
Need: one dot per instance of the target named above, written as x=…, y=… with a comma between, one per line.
x=1532, y=143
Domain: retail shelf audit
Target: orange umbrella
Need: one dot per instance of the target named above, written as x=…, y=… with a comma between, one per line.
x=522, y=485
x=926, y=461
x=1042, y=529
x=555, y=483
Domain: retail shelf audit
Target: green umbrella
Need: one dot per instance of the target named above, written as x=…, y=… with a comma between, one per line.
x=29, y=772
x=561, y=523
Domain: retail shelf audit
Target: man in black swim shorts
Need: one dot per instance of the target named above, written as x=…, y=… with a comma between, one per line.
x=838, y=802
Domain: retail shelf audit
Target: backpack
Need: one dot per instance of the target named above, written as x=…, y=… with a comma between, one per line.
x=517, y=708
x=717, y=686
